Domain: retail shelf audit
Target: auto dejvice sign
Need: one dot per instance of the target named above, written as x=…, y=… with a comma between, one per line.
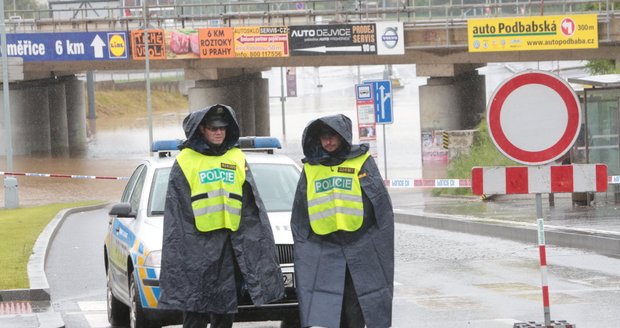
x=385, y=38
x=532, y=33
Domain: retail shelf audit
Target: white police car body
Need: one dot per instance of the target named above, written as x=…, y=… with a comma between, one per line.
x=132, y=249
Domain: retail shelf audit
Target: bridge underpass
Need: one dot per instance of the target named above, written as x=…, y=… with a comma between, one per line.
x=454, y=95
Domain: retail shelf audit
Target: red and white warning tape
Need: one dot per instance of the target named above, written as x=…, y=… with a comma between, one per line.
x=71, y=176
x=391, y=183
x=428, y=183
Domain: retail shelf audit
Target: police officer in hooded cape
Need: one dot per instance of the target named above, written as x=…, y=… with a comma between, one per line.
x=217, y=240
x=343, y=228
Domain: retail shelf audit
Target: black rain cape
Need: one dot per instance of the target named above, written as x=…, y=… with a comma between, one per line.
x=198, y=268
x=321, y=261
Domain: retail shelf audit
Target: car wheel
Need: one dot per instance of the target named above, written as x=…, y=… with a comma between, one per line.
x=137, y=317
x=118, y=313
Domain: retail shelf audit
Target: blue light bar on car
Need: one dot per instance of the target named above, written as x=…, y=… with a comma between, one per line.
x=165, y=145
x=259, y=143
x=248, y=143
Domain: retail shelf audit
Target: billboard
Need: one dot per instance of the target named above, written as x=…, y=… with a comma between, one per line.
x=532, y=33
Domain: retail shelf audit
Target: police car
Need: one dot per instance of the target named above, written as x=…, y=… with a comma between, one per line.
x=132, y=248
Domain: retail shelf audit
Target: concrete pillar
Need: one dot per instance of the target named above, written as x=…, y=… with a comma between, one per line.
x=32, y=135
x=58, y=119
x=247, y=107
x=453, y=103
x=241, y=94
x=261, y=107
x=472, y=90
x=76, y=115
x=440, y=105
x=454, y=98
x=15, y=103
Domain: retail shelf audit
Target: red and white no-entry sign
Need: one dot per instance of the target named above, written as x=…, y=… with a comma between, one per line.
x=534, y=117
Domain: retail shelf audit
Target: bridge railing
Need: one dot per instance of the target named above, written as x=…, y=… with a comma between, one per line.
x=171, y=14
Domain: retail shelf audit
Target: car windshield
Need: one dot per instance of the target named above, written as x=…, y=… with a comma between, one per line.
x=276, y=185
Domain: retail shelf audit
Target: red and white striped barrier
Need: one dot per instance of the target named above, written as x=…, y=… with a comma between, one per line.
x=539, y=179
x=71, y=176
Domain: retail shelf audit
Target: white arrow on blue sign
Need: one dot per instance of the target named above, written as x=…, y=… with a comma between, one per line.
x=382, y=94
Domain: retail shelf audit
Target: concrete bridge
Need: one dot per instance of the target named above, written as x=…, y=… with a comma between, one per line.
x=435, y=40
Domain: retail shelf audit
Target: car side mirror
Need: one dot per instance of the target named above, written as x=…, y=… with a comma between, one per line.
x=122, y=210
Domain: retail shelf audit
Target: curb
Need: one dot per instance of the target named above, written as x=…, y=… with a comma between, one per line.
x=36, y=263
x=606, y=244
x=39, y=287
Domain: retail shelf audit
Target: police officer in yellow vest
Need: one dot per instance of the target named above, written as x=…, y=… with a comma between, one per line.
x=343, y=228
x=217, y=241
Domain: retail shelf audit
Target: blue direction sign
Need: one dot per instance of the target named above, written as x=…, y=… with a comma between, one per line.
x=382, y=94
x=68, y=46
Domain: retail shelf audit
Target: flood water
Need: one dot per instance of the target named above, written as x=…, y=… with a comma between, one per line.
x=118, y=145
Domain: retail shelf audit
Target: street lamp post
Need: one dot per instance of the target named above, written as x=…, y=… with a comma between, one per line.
x=147, y=74
x=11, y=199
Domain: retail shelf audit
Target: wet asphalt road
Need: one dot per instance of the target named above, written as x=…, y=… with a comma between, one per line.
x=442, y=279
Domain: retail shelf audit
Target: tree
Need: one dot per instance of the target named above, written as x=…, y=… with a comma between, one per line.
x=601, y=66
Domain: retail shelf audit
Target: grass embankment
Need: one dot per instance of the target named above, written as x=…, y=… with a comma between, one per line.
x=131, y=104
x=20, y=229
x=483, y=153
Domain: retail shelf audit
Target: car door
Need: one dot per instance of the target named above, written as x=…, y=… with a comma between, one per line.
x=122, y=234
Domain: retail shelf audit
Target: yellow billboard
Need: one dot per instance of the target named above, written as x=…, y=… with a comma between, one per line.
x=532, y=33
x=261, y=41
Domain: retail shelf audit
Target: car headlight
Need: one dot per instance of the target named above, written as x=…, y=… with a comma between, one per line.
x=153, y=259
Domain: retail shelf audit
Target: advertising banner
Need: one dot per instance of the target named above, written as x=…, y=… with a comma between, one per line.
x=182, y=44
x=291, y=82
x=68, y=46
x=532, y=33
x=316, y=40
x=216, y=42
x=156, y=44
x=390, y=38
x=261, y=41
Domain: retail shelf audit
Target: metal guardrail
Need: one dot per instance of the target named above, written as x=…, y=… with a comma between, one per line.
x=172, y=14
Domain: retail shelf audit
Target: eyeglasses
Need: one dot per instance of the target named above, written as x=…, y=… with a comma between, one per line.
x=215, y=128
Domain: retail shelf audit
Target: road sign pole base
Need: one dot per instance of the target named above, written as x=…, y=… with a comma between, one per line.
x=552, y=324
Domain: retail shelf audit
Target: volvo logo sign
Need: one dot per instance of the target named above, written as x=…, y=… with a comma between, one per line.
x=390, y=37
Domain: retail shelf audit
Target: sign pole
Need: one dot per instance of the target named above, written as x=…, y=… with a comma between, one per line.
x=543, y=259
x=282, y=101
x=384, y=154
